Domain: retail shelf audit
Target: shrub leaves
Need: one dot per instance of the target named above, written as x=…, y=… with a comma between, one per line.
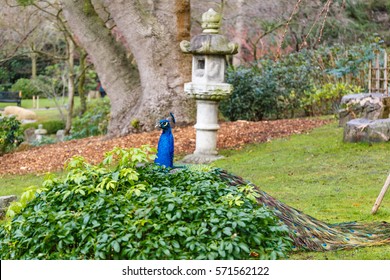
x=129, y=210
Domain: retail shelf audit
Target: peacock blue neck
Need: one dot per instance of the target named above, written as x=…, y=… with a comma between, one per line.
x=165, y=150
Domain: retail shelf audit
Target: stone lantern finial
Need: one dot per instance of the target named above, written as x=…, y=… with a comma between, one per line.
x=211, y=22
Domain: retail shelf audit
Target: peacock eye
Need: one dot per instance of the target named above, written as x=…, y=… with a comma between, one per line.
x=165, y=124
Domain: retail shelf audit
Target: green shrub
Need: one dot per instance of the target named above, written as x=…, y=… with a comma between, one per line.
x=94, y=121
x=11, y=134
x=253, y=98
x=326, y=100
x=271, y=89
x=51, y=126
x=126, y=208
x=27, y=87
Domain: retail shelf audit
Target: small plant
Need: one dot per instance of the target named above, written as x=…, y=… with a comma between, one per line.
x=44, y=141
x=11, y=134
x=326, y=100
x=128, y=208
x=93, y=122
x=135, y=123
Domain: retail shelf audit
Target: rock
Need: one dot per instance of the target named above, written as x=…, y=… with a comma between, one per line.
x=364, y=105
x=363, y=130
x=20, y=113
x=60, y=135
x=5, y=201
x=29, y=135
x=24, y=146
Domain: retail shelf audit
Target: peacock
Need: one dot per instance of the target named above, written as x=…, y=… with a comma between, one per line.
x=165, y=148
x=306, y=232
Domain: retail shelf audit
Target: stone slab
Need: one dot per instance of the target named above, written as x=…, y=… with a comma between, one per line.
x=5, y=201
x=364, y=130
x=200, y=159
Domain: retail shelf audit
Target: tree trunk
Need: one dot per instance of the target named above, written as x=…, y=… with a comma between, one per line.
x=34, y=58
x=81, y=82
x=68, y=125
x=152, y=32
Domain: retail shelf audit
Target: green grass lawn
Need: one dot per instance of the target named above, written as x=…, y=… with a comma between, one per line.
x=43, y=103
x=47, y=108
x=316, y=173
x=12, y=184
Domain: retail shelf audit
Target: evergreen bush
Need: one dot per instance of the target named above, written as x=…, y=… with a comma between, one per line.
x=11, y=134
x=249, y=100
x=270, y=89
x=27, y=87
x=127, y=208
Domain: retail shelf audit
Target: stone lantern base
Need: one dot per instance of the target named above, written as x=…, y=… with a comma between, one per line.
x=206, y=133
x=200, y=159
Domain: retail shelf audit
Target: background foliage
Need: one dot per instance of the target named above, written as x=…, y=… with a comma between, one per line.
x=297, y=84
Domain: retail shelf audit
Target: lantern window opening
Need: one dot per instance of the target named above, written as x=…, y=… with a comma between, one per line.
x=201, y=63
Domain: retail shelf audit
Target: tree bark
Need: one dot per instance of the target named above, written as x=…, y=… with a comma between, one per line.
x=152, y=31
x=34, y=58
x=117, y=75
x=81, y=82
x=71, y=47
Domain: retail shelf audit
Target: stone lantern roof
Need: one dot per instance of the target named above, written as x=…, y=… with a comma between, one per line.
x=210, y=41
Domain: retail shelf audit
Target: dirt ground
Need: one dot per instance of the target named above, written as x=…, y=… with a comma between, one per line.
x=232, y=135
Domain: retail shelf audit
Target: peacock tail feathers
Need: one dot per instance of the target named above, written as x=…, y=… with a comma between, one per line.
x=309, y=233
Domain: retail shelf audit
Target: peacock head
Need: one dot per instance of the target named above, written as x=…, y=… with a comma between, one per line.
x=165, y=124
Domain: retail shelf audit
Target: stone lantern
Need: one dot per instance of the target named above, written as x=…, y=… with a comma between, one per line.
x=208, y=87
